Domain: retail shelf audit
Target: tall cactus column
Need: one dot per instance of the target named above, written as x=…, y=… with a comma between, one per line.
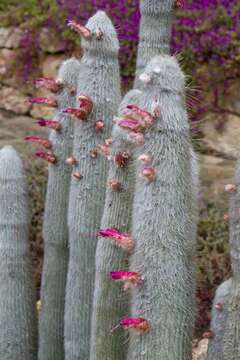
x=109, y=303
x=55, y=231
x=98, y=96
x=155, y=32
x=18, y=320
x=231, y=339
x=163, y=224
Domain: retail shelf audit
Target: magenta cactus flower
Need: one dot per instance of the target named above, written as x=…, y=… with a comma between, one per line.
x=130, y=279
x=52, y=124
x=48, y=83
x=49, y=157
x=122, y=240
x=140, y=325
x=50, y=101
x=38, y=140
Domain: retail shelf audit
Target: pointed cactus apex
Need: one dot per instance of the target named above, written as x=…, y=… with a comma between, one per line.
x=49, y=157
x=121, y=159
x=71, y=161
x=78, y=113
x=94, y=153
x=219, y=307
x=226, y=217
x=50, y=84
x=145, y=158
x=36, y=139
x=145, y=78
x=55, y=125
x=77, y=175
x=136, y=138
x=208, y=334
x=122, y=240
x=115, y=185
x=140, y=325
x=230, y=188
x=50, y=101
x=129, y=278
x=80, y=29
x=99, y=125
x=149, y=173
x=86, y=104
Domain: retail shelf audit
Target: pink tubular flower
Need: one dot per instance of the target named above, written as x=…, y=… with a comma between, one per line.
x=99, y=125
x=140, y=325
x=145, y=158
x=129, y=124
x=145, y=118
x=80, y=29
x=104, y=149
x=36, y=139
x=78, y=113
x=129, y=278
x=52, y=102
x=115, y=185
x=49, y=123
x=122, y=240
x=50, y=84
x=51, y=158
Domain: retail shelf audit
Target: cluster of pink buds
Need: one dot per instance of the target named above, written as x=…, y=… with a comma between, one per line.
x=148, y=173
x=52, y=102
x=230, y=188
x=179, y=3
x=48, y=156
x=121, y=159
x=139, y=325
x=105, y=149
x=36, y=139
x=55, y=125
x=130, y=279
x=136, y=138
x=80, y=29
x=48, y=83
x=122, y=240
x=135, y=119
x=77, y=175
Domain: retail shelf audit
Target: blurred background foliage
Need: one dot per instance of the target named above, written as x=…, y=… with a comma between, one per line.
x=206, y=39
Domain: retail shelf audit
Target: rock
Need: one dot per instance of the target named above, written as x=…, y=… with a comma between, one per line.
x=223, y=140
x=51, y=65
x=200, y=351
x=50, y=43
x=13, y=100
x=10, y=37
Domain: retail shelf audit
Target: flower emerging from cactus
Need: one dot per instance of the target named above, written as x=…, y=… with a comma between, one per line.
x=52, y=102
x=140, y=325
x=55, y=125
x=49, y=157
x=36, y=139
x=129, y=278
x=122, y=240
x=80, y=29
x=50, y=84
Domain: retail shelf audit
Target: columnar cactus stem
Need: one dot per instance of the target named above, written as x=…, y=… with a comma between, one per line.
x=109, y=304
x=55, y=231
x=99, y=85
x=18, y=320
x=155, y=32
x=164, y=223
x=218, y=322
x=231, y=339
